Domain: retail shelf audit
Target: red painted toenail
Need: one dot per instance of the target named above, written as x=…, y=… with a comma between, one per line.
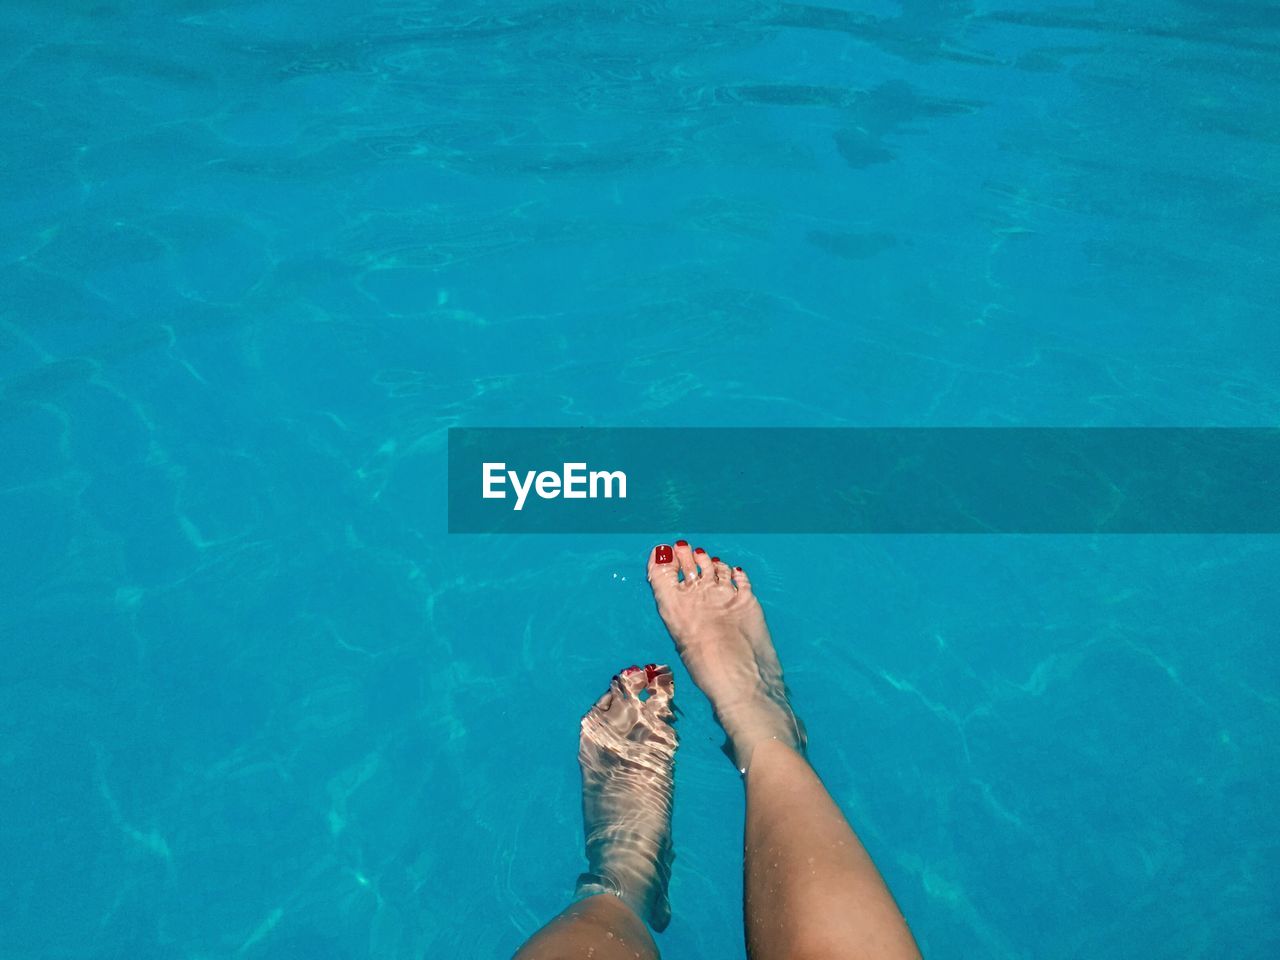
x=739, y=569
x=650, y=671
x=715, y=559
x=699, y=550
x=630, y=670
x=682, y=543
x=662, y=554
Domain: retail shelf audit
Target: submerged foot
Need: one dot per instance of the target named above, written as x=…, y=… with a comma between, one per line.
x=719, y=630
x=627, y=753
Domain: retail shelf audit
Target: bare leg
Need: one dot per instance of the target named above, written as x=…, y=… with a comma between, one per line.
x=811, y=889
x=601, y=927
x=627, y=754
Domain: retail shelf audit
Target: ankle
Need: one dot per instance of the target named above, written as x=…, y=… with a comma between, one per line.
x=772, y=748
x=636, y=872
x=763, y=722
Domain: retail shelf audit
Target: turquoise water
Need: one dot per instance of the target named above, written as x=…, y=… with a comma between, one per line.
x=257, y=258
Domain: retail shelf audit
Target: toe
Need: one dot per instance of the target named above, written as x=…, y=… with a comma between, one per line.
x=604, y=703
x=724, y=573
x=741, y=580
x=703, y=561
x=632, y=681
x=659, y=681
x=685, y=561
x=660, y=685
x=664, y=572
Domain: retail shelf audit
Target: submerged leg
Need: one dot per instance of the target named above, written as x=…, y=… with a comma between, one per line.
x=627, y=755
x=811, y=889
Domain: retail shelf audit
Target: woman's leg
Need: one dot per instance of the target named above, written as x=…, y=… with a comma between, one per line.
x=811, y=889
x=601, y=927
x=627, y=754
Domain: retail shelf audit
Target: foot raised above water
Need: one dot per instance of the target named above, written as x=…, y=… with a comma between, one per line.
x=719, y=630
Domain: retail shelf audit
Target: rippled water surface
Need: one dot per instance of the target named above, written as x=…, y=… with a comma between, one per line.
x=257, y=257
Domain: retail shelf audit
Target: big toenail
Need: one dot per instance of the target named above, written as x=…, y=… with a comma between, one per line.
x=662, y=554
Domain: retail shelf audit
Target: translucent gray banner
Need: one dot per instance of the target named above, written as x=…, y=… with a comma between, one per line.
x=815, y=480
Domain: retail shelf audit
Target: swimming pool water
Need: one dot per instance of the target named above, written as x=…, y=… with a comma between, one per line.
x=257, y=258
